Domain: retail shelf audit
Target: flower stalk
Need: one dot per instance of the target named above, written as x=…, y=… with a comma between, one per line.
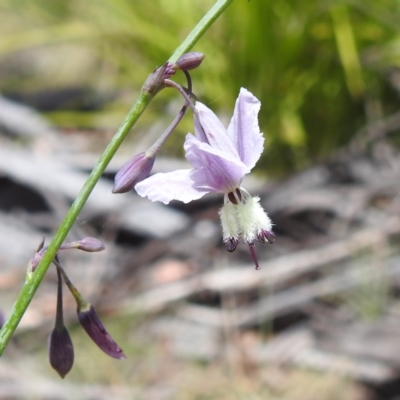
x=30, y=287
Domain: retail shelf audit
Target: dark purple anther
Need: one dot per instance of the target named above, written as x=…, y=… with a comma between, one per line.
x=232, y=198
x=231, y=244
x=266, y=237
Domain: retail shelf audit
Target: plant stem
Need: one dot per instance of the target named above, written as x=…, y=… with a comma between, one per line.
x=31, y=284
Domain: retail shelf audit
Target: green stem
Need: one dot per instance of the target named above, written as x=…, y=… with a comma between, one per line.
x=31, y=284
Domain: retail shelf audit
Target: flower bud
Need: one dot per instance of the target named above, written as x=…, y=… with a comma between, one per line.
x=95, y=329
x=89, y=244
x=132, y=172
x=189, y=61
x=61, y=351
x=155, y=81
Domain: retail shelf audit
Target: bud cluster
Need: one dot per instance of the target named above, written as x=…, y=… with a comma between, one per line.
x=60, y=347
x=139, y=167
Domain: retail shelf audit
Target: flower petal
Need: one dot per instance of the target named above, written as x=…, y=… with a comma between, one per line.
x=214, y=170
x=213, y=132
x=244, y=131
x=177, y=185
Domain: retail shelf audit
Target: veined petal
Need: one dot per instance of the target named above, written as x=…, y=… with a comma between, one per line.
x=244, y=131
x=177, y=185
x=214, y=170
x=213, y=130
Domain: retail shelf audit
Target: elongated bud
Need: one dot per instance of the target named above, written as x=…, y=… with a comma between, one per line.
x=132, y=172
x=61, y=351
x=189, y=61
x=59, y=345
x=90, y=321
x=155, y=81
x=88, y=244
x=95, y=329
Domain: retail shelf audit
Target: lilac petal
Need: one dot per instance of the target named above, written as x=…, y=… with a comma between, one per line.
x=177, y=185
x=244, y=131
x=213, y=170
x=215, y=133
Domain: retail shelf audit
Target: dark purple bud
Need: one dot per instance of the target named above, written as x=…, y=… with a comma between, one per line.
x=189, y=61
x=95, y=329
x=132, y=172
x=155, y=81
x=266, y=237
x=231, y=244
x=61, y=351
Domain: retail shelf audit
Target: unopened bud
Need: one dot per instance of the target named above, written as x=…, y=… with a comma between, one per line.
x=95, y=329
x=132, y=172
x=155, y=81
x=189, y=61
x=61, y=351
x=89, y=244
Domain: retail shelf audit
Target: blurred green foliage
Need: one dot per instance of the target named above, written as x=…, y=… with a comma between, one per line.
x=322, y=69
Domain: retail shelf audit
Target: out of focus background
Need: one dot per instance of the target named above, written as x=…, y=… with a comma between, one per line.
x=321, y=320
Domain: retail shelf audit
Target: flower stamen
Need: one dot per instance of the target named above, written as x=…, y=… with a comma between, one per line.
x=231, y=244
x=266, y=236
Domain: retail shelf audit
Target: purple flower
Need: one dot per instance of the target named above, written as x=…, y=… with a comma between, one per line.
x=220, y=159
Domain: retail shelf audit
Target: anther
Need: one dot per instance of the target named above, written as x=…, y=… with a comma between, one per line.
x=232, y=198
